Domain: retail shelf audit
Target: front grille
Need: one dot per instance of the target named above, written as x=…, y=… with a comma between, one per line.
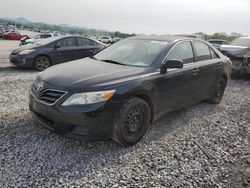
x=48, y=96
x=14, y=53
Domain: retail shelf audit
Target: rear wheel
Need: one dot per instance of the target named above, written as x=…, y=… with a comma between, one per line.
x=131, y=122
x=41, y=63
x=218, y=91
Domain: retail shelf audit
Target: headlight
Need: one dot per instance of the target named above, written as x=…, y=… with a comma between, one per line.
x=89, y=98
x=26, y=51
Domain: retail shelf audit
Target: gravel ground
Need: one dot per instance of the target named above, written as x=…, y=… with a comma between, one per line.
x=202, y=146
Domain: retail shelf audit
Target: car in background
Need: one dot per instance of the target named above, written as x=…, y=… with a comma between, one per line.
x=121, y=90
x=218, y=42
x=27, y=40
x=45, y=53
x=191, y=36
x=105, y=39
x=115, y=39
x=239, y=53
x=13, y=35
x=1, y=33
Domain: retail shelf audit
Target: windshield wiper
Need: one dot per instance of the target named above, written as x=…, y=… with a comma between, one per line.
x=112, y=61
x=92, y=57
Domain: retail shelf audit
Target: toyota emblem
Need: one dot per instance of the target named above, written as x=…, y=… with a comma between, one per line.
x=40, y=86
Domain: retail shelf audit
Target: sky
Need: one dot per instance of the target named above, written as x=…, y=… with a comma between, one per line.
x=138, y=16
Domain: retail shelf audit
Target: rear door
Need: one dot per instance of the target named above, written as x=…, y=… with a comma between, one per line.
x=175, y=89
x=208, y=69
x=86, y=47
x=65, y=50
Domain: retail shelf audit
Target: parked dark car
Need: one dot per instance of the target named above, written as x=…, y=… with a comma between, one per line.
x=218, y=42
x=120, y=91
x=54, y=50
x=239, y=53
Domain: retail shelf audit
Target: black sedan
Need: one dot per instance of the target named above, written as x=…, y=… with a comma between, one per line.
x=45, y=53
x=120, y=91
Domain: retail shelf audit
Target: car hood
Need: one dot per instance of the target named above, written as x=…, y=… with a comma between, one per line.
x=237, y=51
x=88, y=72
x=232, y=48
x=25, y=47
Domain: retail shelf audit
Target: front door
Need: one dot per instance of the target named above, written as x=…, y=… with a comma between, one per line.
x=65, y=50
x=175, y=89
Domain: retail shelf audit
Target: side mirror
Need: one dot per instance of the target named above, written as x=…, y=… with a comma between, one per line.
x=174, y=63
x=56, y=46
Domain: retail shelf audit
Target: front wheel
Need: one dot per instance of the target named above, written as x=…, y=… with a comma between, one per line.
x=41, y=63
x=218, y=91
x=132, y=122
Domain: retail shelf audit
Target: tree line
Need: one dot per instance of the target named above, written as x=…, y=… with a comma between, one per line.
x=39, y=26
x=96, y=32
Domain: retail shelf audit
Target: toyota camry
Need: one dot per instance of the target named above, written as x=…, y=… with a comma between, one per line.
x=121, y=90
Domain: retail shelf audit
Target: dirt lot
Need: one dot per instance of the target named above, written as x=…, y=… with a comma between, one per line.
x=202, y=146
x=6, y=46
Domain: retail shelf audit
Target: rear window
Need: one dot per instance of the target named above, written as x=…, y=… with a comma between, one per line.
x=215, y=42
x=45, y=36
x=202, y=51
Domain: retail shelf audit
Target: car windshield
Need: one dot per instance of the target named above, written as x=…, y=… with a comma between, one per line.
x=241, y=42
x=132, y=52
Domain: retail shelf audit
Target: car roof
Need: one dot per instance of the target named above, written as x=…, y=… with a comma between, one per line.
x=167, y=38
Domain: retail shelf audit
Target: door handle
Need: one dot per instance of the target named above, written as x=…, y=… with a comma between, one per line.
x=195, y=71
x=218, y=65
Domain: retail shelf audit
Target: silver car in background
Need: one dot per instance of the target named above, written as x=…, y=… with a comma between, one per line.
x=239, y=53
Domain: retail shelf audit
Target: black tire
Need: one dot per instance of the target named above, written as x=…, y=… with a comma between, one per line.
x=41, y=63
x=218, y=91
x=132, y=122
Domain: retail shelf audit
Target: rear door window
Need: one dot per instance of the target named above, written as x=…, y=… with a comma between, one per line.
x=215, y=42
x=182, y=51
x=202, y=51
x=86, y=42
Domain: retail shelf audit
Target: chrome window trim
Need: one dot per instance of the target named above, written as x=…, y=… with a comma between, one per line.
x=173, y=47
x=190, y=64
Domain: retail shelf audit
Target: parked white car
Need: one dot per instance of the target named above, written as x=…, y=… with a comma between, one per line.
x=26, y=40
x=105, y=39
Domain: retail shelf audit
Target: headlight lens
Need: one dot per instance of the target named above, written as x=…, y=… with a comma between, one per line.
x=26, y=51
x=89, y=98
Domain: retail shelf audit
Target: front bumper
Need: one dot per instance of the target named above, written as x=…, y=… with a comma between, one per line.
x=21, y=61
x=82, y=123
